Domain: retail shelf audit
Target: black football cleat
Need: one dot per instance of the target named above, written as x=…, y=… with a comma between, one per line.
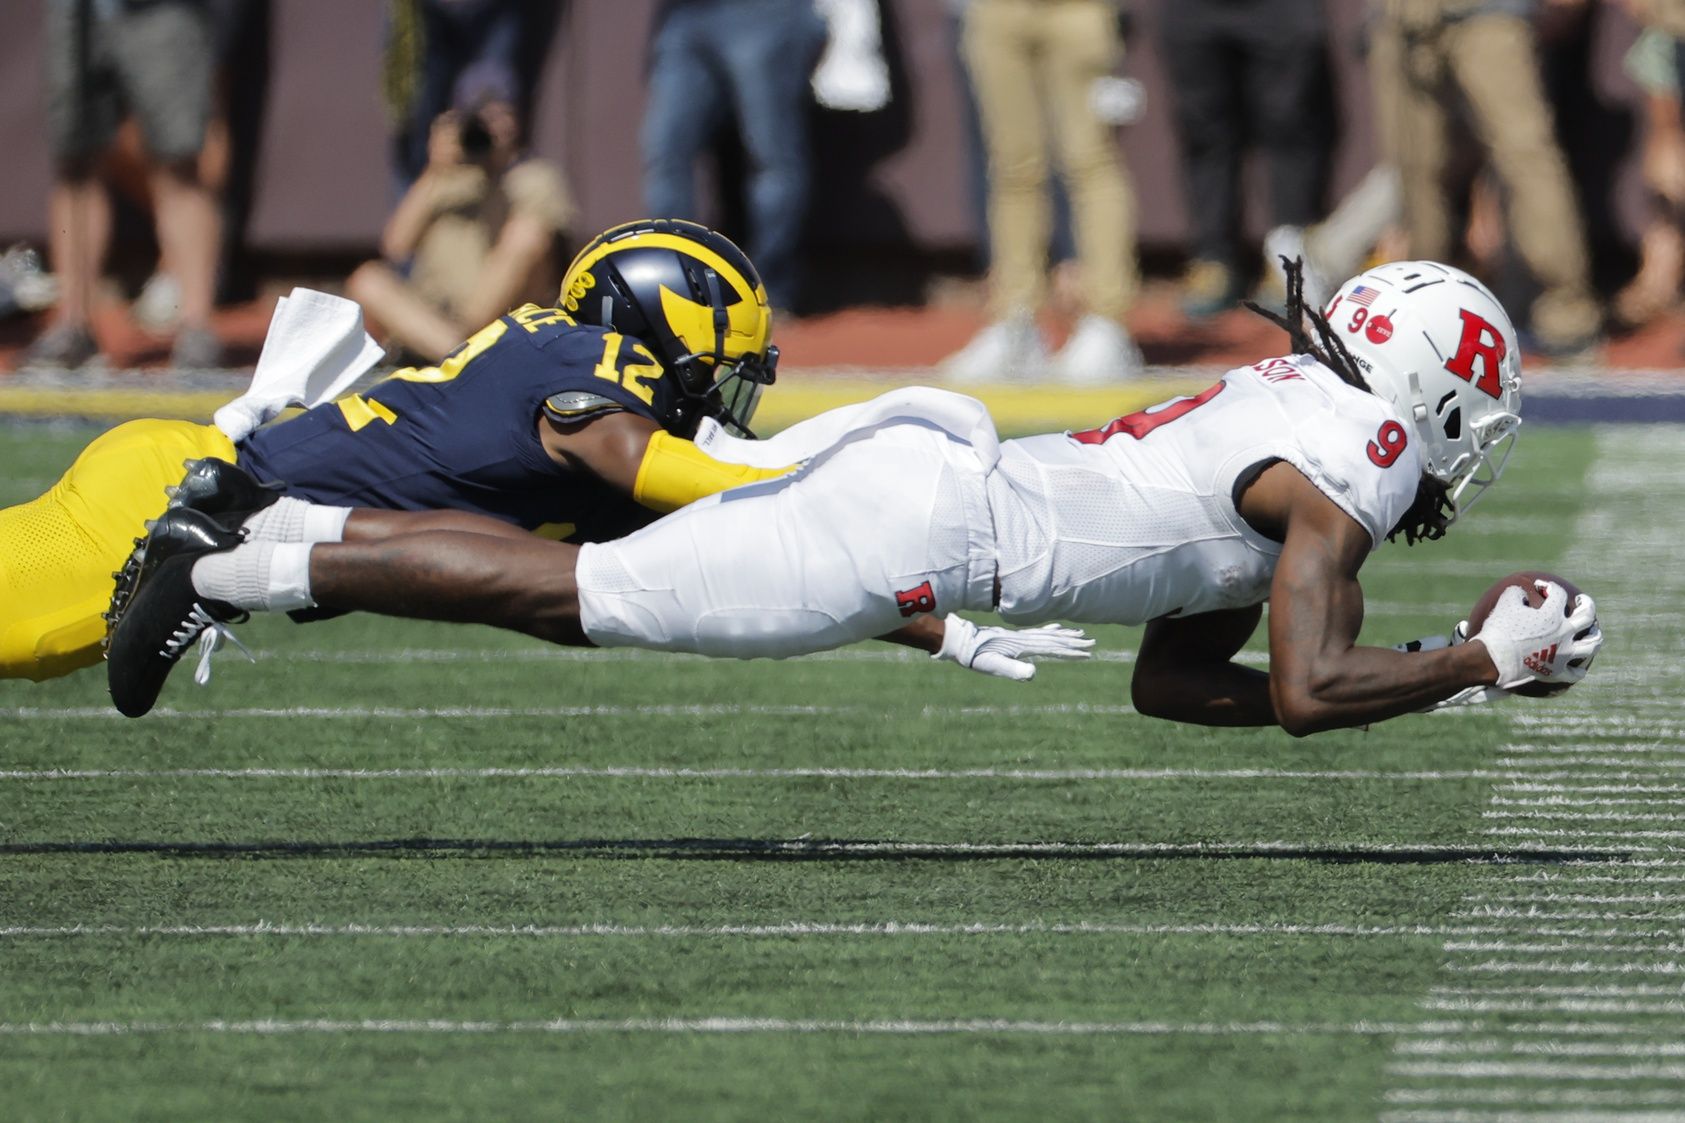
x=225, y=491
x=159, y=615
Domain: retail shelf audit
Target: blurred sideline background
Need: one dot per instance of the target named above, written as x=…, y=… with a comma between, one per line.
x=891, y=236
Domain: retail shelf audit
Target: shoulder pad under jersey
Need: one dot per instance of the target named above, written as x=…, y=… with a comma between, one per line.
x=578, y=405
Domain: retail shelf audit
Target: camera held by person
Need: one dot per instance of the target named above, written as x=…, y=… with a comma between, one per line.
x=477, y=231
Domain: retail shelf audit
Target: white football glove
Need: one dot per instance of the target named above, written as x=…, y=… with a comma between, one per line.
x=1005, y=653
x=1538, y=644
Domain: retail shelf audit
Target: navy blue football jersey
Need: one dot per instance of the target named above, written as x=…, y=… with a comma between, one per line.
x=464, y=435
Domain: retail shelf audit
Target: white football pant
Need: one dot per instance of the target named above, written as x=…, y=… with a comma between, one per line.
x=875, y=532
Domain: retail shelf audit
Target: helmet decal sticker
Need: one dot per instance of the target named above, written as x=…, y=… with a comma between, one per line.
x=1479, y=340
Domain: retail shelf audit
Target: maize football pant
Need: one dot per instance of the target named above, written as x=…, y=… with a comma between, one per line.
x=883, y=529
x=58, y=552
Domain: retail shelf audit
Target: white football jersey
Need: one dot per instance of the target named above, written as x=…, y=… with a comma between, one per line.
x=1137, y=520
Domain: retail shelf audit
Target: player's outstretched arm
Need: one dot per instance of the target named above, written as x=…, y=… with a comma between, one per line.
x=1319, y=678
x=635, y=455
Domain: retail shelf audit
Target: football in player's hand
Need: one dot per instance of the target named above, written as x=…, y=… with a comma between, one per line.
x=1529, y=582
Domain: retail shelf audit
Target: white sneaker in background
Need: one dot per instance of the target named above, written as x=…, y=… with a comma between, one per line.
x=1098, y=352
x=158, y=307
x=1289, y=242
x=1009, y=350
x=30, y=287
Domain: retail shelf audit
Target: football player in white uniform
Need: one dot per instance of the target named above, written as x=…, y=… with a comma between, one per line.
x=1395, y=410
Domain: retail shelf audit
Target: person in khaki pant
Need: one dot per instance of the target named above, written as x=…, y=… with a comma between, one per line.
x=1034, y=64
x=1426, y=57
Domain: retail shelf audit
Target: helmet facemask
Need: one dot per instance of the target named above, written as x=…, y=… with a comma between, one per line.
x=725, y=389
x=737, y=394
x=1494, y=439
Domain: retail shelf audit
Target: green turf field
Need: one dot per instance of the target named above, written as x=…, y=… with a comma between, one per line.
x=397, y=870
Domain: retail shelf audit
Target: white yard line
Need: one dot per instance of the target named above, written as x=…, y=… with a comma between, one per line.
x=787, y=929
x=1584, y=789
x=1596, y=990
x=1636, y=946
x=1568, y=763
x=1443, y=1046
x=1539, y=1070
x=1589, y=723
x=1582, y=879
x=1551, y=1097
x=1579, y=1115
x=1559, y=722
x=1497, y=912
x=1555, y=1005
x=1579, y=836
x=1349, y=849
x=1656, y=898
x=1564, y=967
x=1555, y=815
x=795, y=928
x=567, y=771
x=709, y=1025
x=1605, y=932
x=1602, y=990
x=1587, y=800
x=1608, y=747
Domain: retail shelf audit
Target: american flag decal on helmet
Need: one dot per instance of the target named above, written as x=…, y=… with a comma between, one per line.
x=1363, y=295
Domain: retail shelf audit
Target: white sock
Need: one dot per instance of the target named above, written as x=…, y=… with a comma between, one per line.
x=257, y=577
x=325, y=524
x=295, y=520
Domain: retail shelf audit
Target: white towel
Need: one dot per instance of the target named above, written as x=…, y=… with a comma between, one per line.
x=316, y=348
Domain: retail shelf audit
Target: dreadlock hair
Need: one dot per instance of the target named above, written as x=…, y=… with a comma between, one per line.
x=1430, y=512
x=1327, y=348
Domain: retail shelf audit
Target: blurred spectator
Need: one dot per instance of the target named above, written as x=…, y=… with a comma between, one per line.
x=1247, y=70
x=1431, y=58
x=1359, y=227
x=1653, y=64
x=1667, y=16
x=712, y=61
x=430, y=44
x=476, y=234
x=1034, y=66
x=1062, y=246
x=152, y=58
x=225, y=161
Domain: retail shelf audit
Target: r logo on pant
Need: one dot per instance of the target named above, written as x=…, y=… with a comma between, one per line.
x=913, y=601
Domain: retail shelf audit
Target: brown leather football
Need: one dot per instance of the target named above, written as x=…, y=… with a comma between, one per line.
x=1527, y=581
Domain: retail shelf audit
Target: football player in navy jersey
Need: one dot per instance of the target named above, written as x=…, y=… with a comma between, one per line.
x=571, y=422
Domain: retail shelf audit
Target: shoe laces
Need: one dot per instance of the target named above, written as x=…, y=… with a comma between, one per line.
x=210, y=633
x=210, y=642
